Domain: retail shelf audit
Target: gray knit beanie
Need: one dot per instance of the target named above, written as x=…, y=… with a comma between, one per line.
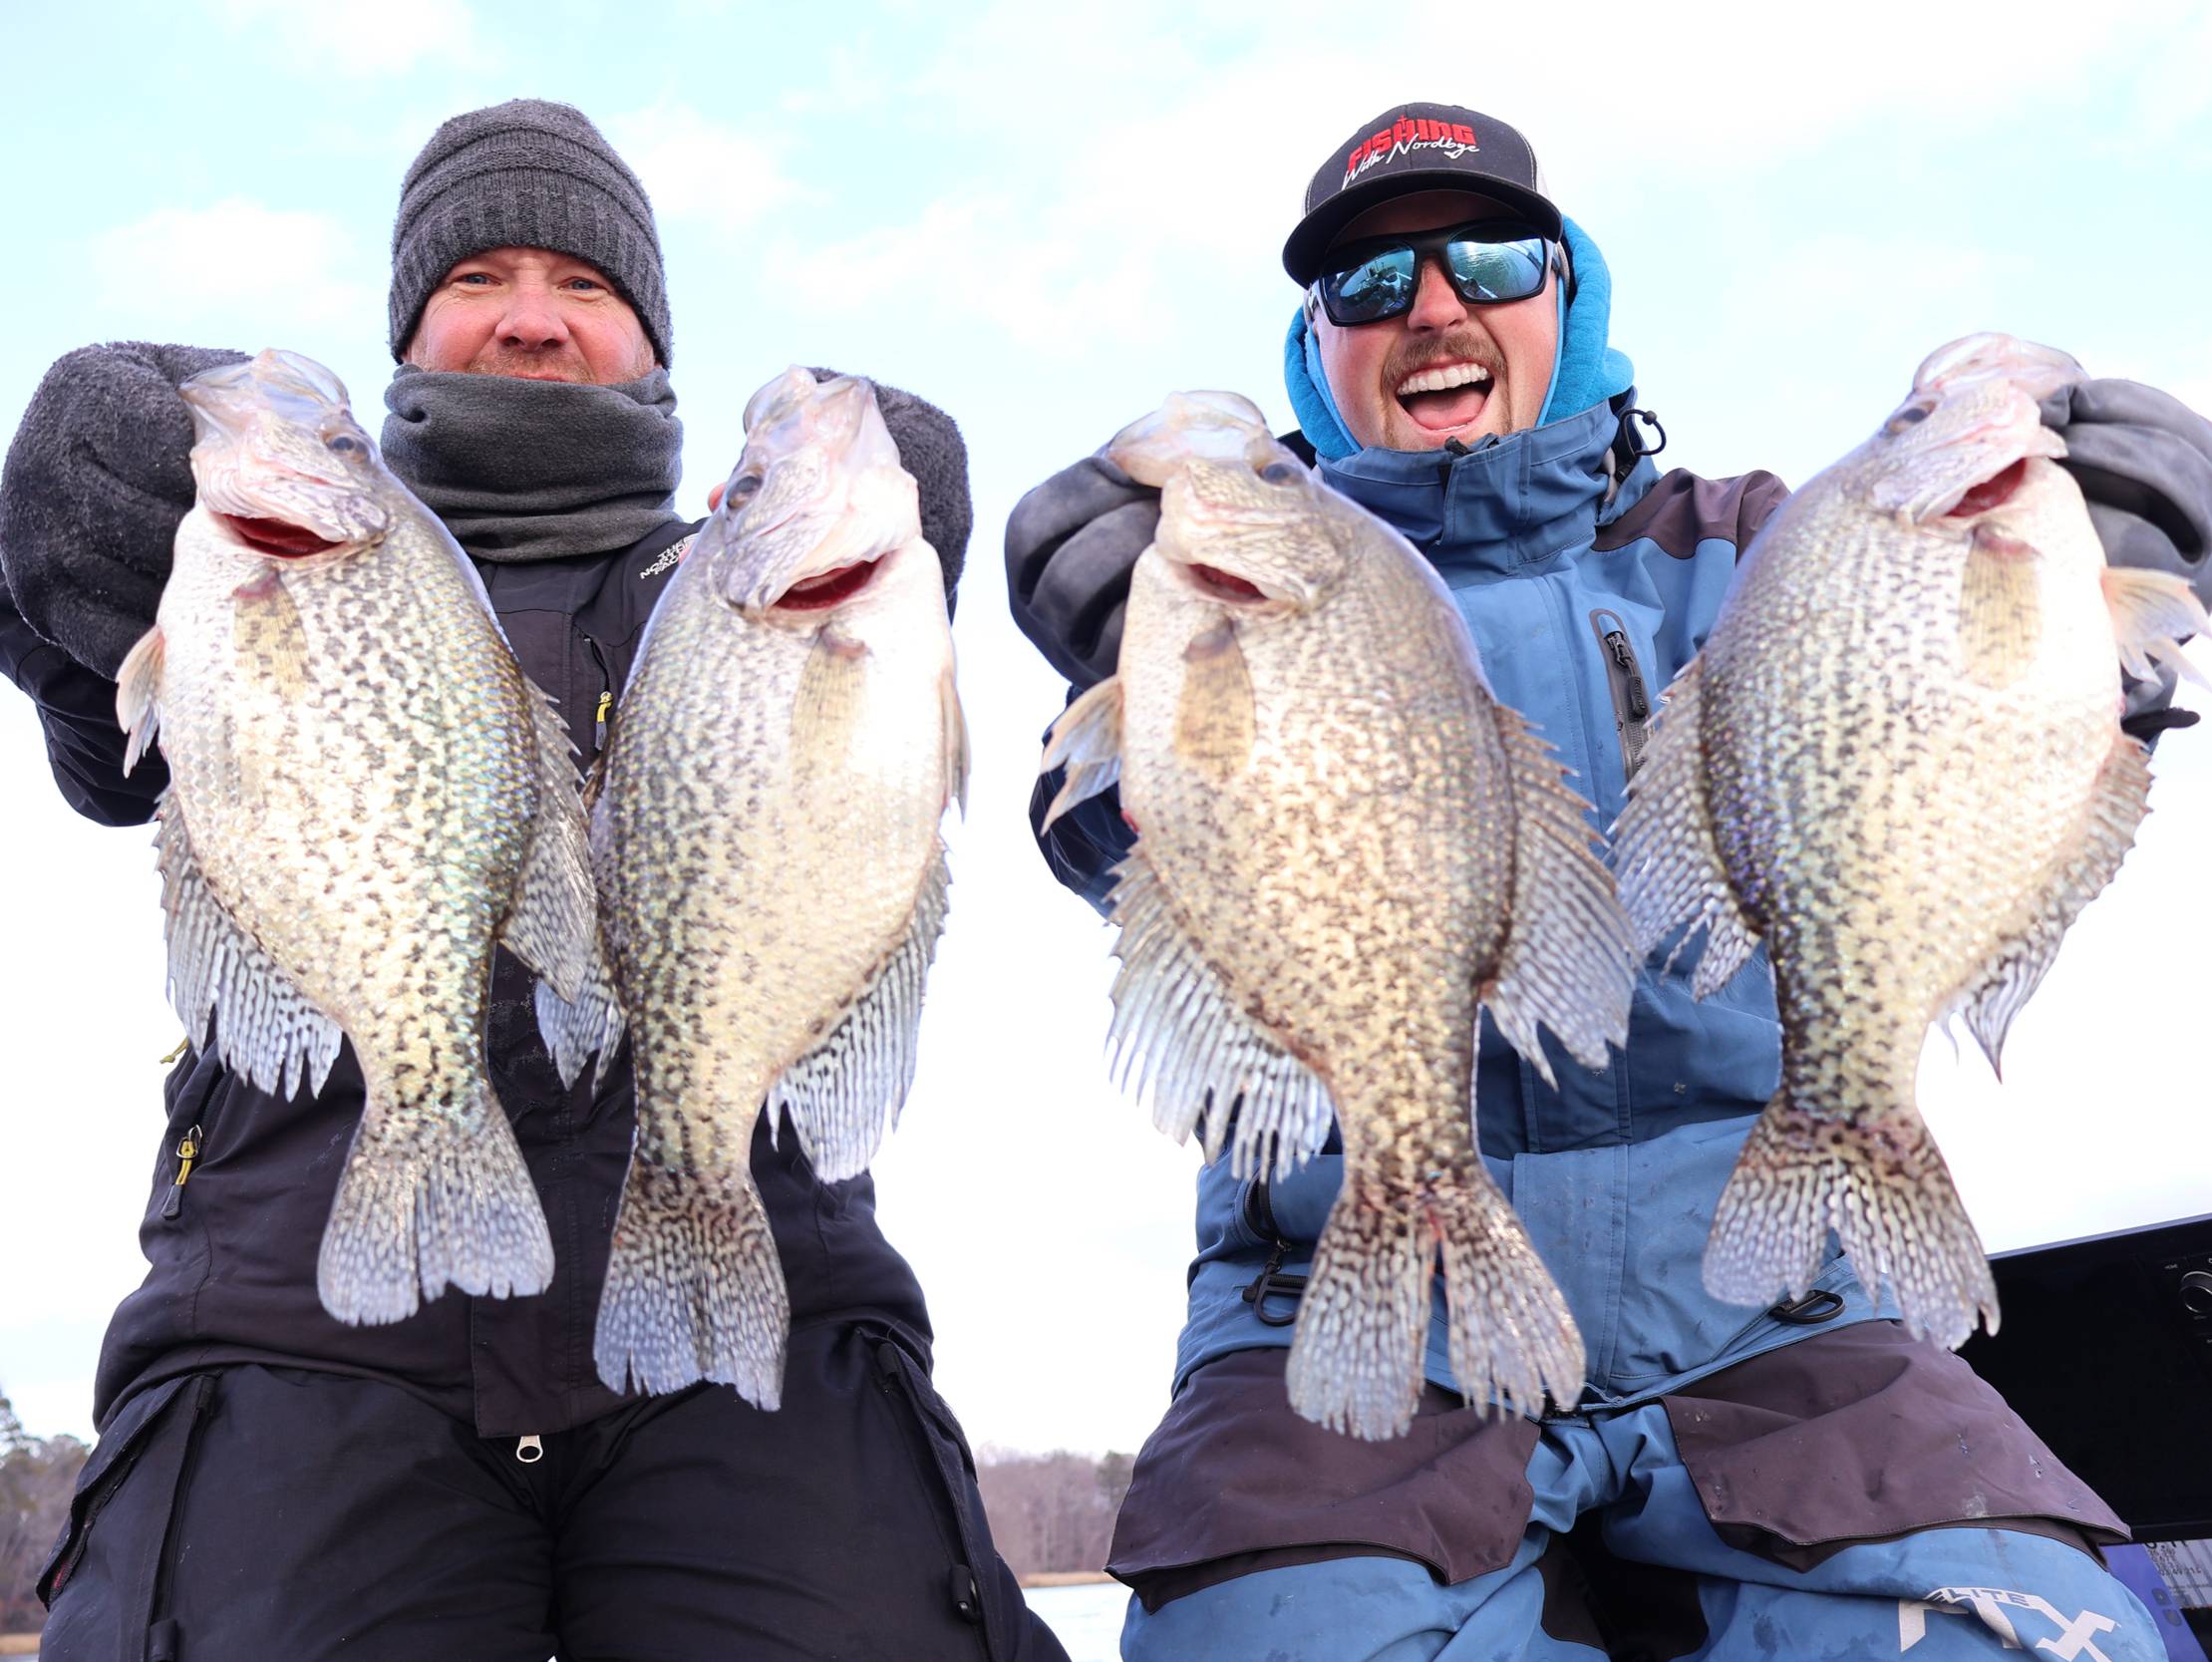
x=524, y=175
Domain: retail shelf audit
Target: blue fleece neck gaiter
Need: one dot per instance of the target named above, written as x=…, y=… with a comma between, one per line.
x=1586, y=371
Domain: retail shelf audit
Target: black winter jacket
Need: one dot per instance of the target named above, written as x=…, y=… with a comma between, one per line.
x=232, y=1250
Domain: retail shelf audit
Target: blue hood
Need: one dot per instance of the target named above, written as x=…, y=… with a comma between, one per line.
x=1586, y=372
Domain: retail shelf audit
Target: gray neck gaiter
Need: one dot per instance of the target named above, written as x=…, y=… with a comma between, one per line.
x=535, y=469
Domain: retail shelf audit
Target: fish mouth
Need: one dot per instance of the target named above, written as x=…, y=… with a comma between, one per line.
x=828, y=588
x=278, y=539
x=1992, y=492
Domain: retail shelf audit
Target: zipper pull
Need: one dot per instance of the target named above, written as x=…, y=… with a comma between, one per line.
x=1639, y=700
x=531, y=1450
x=188, y=1150
x=183, y=1045
x=599, y=720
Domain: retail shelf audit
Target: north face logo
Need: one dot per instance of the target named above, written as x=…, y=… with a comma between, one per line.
x=2077, y=1638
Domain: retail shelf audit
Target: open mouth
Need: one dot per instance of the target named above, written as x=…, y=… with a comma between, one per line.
x=1994, y=492
x=275, y=536
x=813, y=594
x=1222, y=585
x=1445, y=395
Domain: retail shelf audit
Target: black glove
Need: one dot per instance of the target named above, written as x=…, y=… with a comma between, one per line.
x=1070, y=545
x=2143, y=461
x=95, y=486
x=931, y=448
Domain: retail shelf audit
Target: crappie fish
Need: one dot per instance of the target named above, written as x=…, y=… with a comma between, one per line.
x=1345, y=844
x=365, y=796
x=771, y=878
x=1898, y=761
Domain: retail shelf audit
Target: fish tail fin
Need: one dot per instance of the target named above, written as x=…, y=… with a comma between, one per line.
x=694, y=1288
x=1356, y=1363
x=428, y=1200
x=1881, y=1184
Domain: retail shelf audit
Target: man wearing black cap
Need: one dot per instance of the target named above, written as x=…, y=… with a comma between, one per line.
x=271, y=1483
x=1794, y=1482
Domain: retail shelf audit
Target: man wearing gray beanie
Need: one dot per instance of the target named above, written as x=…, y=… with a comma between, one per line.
x=272, y=1482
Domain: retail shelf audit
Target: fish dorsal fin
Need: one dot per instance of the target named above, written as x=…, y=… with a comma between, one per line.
x=1182, y=1046
x=2152, y=612
x=265, y=1028
x=553, y=924
x=138, y=695
x=845, y=1095
x=2116, y=807
x=1087, y=740
x=1567, y=962
x=1665, y=859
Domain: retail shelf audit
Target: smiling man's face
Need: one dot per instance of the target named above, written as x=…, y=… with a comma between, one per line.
x=532, y=314
x=1444, y=369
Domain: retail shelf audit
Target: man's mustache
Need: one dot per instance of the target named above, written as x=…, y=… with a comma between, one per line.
x=1466, y=348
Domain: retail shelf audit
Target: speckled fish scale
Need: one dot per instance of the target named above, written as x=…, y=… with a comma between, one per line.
x=365, y=796
x=1345, y=846
x=771, y=879
x=1897, y=759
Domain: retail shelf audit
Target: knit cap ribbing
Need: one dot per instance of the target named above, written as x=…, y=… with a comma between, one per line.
x=526, y=173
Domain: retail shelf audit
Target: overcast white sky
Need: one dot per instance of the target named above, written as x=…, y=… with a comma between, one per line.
x=1045, y=220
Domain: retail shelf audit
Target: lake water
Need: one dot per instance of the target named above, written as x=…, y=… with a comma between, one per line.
x=1086, y=1620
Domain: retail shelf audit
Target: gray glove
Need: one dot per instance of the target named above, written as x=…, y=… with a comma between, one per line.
x=95, y=486
x=2143, y=461
x=1070, y=545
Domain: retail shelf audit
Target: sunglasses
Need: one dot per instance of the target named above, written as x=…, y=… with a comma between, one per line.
x=1489, y=262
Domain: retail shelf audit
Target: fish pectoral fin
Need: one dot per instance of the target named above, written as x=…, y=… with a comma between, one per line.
x=830, y=706
x=265, y=1028
x=1667, y=859
x=845, y=1095
x=1216, y=717
x=553, y=924
x=1183, y=1045
x=267, y=634
x=2152, y=613
x=2115, y=809
x=1568, y=961
x=138, y=695
x=2001, y=613
x=1086, y=741
x=955, y=741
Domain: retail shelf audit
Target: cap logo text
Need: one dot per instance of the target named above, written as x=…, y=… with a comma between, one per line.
x=1409, y=132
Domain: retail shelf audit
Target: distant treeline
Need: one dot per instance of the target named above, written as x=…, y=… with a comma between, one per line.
x=1052, y=1512
x=37, y=1477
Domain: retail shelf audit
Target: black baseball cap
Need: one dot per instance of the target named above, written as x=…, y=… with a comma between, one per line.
x=1409, y=148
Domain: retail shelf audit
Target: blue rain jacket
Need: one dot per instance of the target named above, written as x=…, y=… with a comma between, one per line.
x=1584, y=599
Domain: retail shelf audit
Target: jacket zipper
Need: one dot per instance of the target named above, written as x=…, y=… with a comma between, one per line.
x=188, y=1150
x=605, y=706
x=1632, y=701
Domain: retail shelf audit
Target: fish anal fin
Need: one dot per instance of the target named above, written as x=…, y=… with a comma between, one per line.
x=1567, y=962
x=553, y=924
x=1087, y=739
x=138, y=695
x=1185, y=1047
x=844, y=1096
x=1667, y=860
x=1215, y=718
x=264, y=1026
x=2000, y=608
x=2116, y=808
x=2152, y=613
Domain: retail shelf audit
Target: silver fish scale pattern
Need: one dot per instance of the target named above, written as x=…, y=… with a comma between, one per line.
x=765, y=841
x=356, y=772
x=1333, y=853
x=1909, y=736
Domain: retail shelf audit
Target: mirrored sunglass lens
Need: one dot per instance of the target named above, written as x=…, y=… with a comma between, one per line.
x=1497, y=270
x=1376, y=287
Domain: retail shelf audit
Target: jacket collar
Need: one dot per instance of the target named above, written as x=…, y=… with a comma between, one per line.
x=1506, y=505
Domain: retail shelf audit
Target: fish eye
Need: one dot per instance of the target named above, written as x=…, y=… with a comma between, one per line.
x=1279, y=473
x=1907, y=416
x=745, y=485
x=343, y=443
